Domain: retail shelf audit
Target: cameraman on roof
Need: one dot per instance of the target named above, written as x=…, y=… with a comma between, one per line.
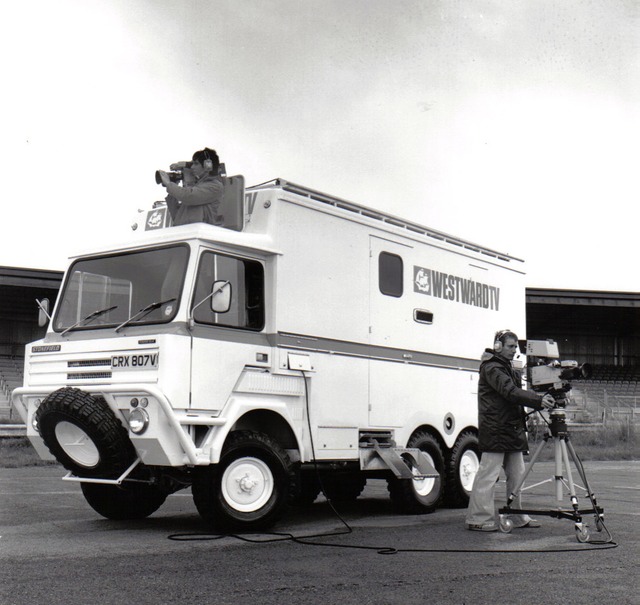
x=199, y=199
x=501, y=432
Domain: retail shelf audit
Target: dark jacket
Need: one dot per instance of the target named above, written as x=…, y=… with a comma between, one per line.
x=196, y=204
x=501, y=402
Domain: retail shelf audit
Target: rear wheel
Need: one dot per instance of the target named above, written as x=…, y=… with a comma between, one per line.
x=308, y=488
x=249, y=488
x=462, y=467
x=420, y=495
x=126, y=501
x=343, y=488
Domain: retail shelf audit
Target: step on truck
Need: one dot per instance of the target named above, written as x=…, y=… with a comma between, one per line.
x=307, y=343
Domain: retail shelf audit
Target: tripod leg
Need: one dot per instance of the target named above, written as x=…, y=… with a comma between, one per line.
x=571, y=486
x=557, y=454
x=582, y=531
x=578, y=464
x=599, y=517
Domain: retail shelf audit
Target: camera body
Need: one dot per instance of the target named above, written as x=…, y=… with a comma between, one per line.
x=176, y=172
x=174, y=176
x=182, y=170
x=546, y=373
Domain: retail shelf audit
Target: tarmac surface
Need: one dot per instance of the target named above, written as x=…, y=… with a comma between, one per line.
x=54, y=549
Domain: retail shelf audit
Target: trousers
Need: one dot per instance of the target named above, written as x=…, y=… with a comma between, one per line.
x=481, y=509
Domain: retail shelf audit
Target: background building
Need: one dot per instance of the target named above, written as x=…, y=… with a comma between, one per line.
x=602, y=328
x=19, y=289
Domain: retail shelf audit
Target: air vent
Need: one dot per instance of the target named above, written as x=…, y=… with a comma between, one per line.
x=89, y=363
x=88, y=375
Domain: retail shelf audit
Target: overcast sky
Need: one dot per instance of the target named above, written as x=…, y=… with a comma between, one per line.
x=514, y=124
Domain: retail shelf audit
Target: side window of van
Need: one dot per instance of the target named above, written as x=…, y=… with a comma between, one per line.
x=229, y=292
x=390, y=269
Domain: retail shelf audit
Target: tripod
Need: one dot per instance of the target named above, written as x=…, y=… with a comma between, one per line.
x=558, y=434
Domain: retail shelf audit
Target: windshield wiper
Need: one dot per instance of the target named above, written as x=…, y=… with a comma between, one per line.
x=88, y=318
x=144, y=311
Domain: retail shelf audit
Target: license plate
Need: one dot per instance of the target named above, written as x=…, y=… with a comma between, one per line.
x=137, y=361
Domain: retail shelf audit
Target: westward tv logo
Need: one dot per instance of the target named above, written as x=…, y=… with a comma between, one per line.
x=451, y=287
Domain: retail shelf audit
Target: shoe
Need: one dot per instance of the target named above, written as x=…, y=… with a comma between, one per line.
x=533, y=524
x=486, y=528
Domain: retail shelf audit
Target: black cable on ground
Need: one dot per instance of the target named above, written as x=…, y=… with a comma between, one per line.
x=381, y=550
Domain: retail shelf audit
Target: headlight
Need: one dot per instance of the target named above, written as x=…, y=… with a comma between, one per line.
x=138, y=420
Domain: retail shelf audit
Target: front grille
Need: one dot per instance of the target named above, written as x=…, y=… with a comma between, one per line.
x=87, y=375
x=88, y=363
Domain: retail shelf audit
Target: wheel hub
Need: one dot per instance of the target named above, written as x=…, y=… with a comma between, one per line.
x=423, y=485
x=468, y=469
x=77, y=444
x=247, y=484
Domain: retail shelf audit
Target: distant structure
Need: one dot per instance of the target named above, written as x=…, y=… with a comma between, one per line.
x=19, y=289
x=602, y=328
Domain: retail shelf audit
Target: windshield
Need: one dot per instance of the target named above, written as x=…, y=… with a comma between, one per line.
x=108, y=291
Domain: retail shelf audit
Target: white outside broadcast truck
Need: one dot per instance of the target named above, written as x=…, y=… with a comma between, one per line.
x=308, y=342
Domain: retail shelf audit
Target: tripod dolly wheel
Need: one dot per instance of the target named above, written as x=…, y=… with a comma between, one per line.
x=506, y=525
x=582, y=533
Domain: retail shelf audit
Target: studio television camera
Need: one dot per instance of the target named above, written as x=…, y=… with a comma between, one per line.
x=546, y=373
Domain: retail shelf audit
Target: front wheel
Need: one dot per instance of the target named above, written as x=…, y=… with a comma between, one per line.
x=419, y=495
x=126, y=501
x=249, y=488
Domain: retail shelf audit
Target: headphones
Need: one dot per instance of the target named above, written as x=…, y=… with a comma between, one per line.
x=208, y=163
x=498, y=344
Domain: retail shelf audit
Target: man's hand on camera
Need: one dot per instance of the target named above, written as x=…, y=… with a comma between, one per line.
x=548, y=402
x=164, y=177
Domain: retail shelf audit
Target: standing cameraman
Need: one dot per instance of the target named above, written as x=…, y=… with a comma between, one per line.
x=502, y=432
x=198, y=201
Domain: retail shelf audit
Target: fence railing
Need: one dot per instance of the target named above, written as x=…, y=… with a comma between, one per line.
x=11, y=368
x=6, y=409
x=606, y=405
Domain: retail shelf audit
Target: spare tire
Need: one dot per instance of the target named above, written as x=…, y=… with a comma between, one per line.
x=84, y=435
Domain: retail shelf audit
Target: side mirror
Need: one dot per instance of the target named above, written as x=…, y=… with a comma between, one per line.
x=221, y=296
x=43, y=312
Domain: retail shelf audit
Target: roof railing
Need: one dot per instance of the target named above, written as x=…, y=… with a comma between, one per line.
x=383, y=217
